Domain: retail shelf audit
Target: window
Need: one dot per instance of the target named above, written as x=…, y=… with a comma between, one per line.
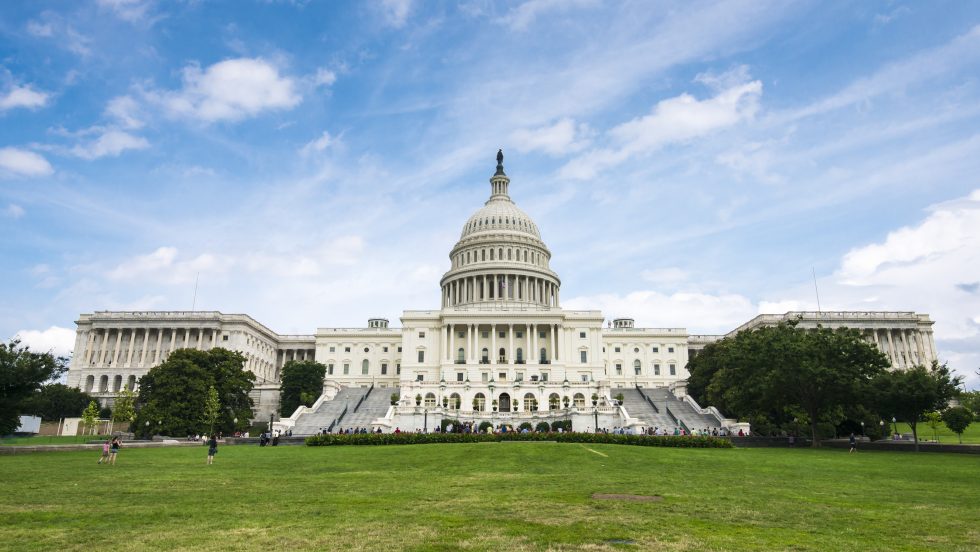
x=366, y=350
x=384, y=368
x=673, y=369
x=421, y=335
x=399, y=349
x=485, y=356
x=636, y=367
x=460, y=334
x=656, y=369
x=616, y=349
x=421, y=356
x=224, y=338
x=541, y=335
x=459, y=376
x=333, y=349
x=501, y=334
x=636, y=349
x=502, y=376
x=384, y=349
x=544, y=376
x=619, y=369
x=485, y=334
x=583, y=356
x=365, y=365
x=670, y=349
x=581, y=335
x=419, y=377
x=520, y=335
x=346, y=368
x=398, y=369
x=346, y=349
x=544, y=355
x=520, y=355
x=479, y=402
x=656, y=349
x=460, y=356
x=330, y=369
x=485, y=377
x=585, y=378
x=579, y=399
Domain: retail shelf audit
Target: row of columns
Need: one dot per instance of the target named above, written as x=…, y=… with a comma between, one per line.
x=500, y=287
x=905, y=348
x=530, y=340
x=99, y=353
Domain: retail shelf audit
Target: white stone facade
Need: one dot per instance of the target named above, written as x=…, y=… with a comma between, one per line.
x=500, y=347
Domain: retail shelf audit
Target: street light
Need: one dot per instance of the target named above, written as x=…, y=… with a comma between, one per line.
x=425, y=420
x=881, y=425
x=894, y=425
x=862, y=429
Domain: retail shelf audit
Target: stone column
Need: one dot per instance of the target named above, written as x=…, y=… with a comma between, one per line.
x=173, y=340
x=132, y=345
x=493, y=344
x=146, y=347
x=891, y=349
x=510, y=348
x=533, y=358
x=104, y=349
x=471, y=342
x=560, y=351
x=527, y=343
x=115, y=352
x=551, y=330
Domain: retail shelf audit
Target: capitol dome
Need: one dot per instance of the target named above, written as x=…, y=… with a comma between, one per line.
x=500, y=257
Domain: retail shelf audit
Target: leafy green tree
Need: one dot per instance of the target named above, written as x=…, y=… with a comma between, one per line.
x=957, y=419
x=774, y=371
x=105, y=413
x=909, y=394
x=55, y=401
x=971, y=400
x=125, y=408
x=212, y=409
x=172, y=395
x=22, y=372
x=302, y=384
x=934, y=419
x=90, y=417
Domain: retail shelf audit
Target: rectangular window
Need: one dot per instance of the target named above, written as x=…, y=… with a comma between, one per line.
x=333, y=349
x=581, y=335
x=583, y=356
x=619, y=369
x=346, y=349
x=519, y=376
x=485, y=377
x=421, y=335
x=224, y=338
x=384, y=349
x=544, y=376
x=419, y=377
x=585, y=377
x=656, y=349
x=461, y=334
x=364, y=368
x=459, y=376
x=502, y=376
x=520, y=335
x=346, y=368
x=670, y=349
x=384, y=368
x=673, y=369
x=330, y=369
x=485, y=334
x=501, y=334
x=637, y=369
x=421, y=357
x=616, y=349
x=656, y=369
x=399, y=349
x=541, y=335
x=398, y=369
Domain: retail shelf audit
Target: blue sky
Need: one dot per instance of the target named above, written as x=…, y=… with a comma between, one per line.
x=689, y=164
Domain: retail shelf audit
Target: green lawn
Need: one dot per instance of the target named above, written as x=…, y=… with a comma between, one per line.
x=49, y=440
x=971, y=435
x=499, y=496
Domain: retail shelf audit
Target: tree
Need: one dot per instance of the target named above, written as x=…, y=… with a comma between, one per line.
x=172, y=395
x=301, y=381
x=22, y=372
x=934, y=419
x=90, y=417
x=782, y=372
x=212, y=409
x=908, y=394
x=125, y=408
x=55, y=401
x=971, y=400
x=957, y=419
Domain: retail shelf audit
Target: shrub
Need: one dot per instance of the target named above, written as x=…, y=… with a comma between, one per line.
x=483, y=426
x=332, y=439
x=564, y=425
x=542, y=427
x=445, y=423
x=394, y=398
x=525, y=425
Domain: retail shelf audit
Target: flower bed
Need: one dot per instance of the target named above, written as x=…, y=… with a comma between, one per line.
x=428, y=438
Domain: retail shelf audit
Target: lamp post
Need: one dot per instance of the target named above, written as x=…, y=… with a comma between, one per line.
x=147, y=428
x=881, y=426
x=894, y=425
x=425, y=420
x=862, y=429
x=595, y=413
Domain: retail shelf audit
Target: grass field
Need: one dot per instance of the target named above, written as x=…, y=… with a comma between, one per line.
x=500, y=496
x=49, y=439
x=971, y=435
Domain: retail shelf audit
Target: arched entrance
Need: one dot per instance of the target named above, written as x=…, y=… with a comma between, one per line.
x=504, y=402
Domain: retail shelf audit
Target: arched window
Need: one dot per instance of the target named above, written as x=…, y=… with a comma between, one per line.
x=636, y=367
x=544, y=355
x=460, y=356
x=117, y=383
x=430, y=400
x=504, y=403
x=578, y=400
x=364, y=367
x=509, y=255
x=520, y=356
x=525, y=255
x=530, y=402
x=131, y=383
x=89, y=383
x=554, y=401
x=491, y=254
x=479, y=402
x=483, y=256
x=467, y=256
x=104, y=384
x=500, y=253
x=454, y=401
x=486, y=356
x=502, y=356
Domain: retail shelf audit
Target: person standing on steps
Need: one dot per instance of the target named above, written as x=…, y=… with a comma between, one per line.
x=212, y=448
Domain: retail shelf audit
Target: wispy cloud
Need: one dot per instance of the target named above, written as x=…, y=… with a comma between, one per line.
x=109, y=143
x=16, y=162
x=23, y=96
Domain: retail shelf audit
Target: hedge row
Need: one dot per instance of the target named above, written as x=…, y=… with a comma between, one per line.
x=430, y=438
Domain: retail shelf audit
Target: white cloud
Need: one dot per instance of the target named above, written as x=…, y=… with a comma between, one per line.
x=521, y=17
x=324, y=77
x=688, y=309
x=557, y=139
x=673, y=120
x=23, y=96
x=395, y=12
x=126, y=111
x=56, y=340
x=318, y=144
x=53, y=26
x=13, y=211
x=38, y=29
x=111, y=143
x=230, y=90
x=19, y=162
x=163, y=266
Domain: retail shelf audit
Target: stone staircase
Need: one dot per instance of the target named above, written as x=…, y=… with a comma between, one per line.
x=681, y=410
x=310, y=423
x=375, y=405
x=638, y=407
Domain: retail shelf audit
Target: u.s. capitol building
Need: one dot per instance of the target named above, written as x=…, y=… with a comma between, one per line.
x=500, y=348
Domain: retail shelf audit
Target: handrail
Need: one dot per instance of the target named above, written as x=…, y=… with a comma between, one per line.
x=648, y=399
x=677, y=420
x=337, y=421
x=363, y=397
